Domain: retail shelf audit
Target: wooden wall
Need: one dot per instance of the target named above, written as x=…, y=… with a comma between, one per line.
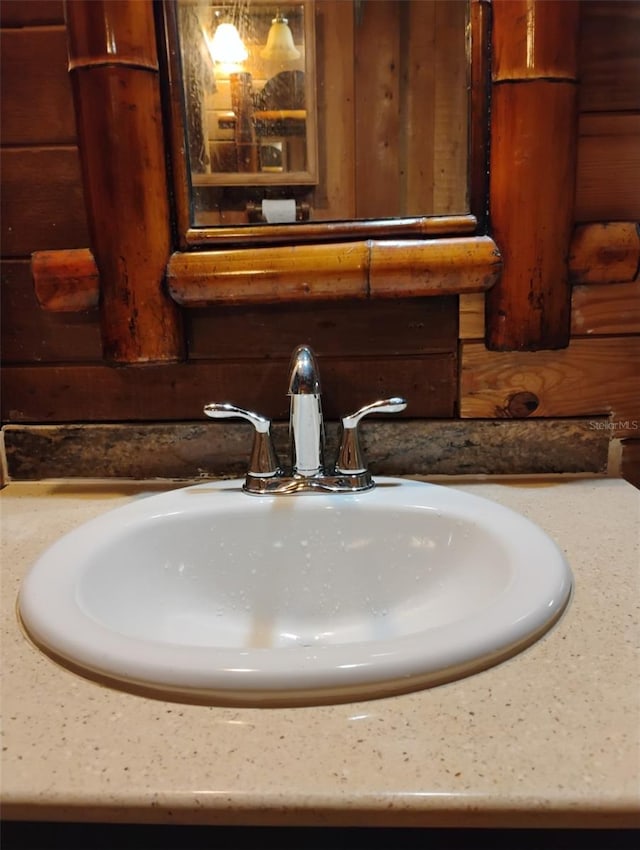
x=53, y=366
x=599, y=373
x=53, y=363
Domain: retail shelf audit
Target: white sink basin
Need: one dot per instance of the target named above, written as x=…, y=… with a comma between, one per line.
x=208, y=594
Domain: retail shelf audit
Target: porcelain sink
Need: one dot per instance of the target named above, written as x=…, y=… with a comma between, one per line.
x=207, y=594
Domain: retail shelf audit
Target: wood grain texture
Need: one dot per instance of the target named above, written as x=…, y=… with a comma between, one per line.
x=111, y=32
x=32, y=335
x=442, y=266
x=121, y=141
x=532, y=180
x=41, y=201
x=65, y=281
x=593, y=376
x=411, y=104
x=373, y=269
x=535, y=40
x=608, y=170
x=353, y=328
x=450, y=111
x=202, y=448
x=471, y=316
x=532, y=173
x=178, y=391
x=596, y=309
x=606, y=309
x=417, y=130
x=35, y=13
x=333, y=231
x=32, y=113
x=605, y=252
x=377, y=102
x=609, y=56
x=300, y=272
x=335, y=196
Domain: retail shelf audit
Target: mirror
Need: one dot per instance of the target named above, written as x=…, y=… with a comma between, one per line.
x=249, y=85
x=324, y=110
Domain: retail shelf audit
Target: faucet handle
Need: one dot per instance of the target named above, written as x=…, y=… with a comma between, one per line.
x=263, y=462
x=350, y=457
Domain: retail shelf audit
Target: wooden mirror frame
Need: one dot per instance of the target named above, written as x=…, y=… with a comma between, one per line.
x=139, y=282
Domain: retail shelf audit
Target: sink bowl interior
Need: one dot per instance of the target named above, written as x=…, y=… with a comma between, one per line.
x=194, y=579
x=207, y=593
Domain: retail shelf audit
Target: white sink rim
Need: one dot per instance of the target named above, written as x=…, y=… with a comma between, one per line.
x=534, y=599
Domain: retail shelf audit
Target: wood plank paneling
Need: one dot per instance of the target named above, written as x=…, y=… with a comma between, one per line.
x=334, y=198
x=418, y=101
x=405, y=327
x=608, y=170
x=471, y=322
x=42, y=201
x=29, y=334
x=592, y=376
x=34, y=112
x=606, y=309
x=377, y=100
x=411, y=101
x=18, y=13
x=179, y=391
x=451, y=111
x=609, y=56
x=598, y=309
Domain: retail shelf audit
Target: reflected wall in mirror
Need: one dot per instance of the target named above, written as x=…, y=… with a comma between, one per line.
x=249, y=88
x=359, y=111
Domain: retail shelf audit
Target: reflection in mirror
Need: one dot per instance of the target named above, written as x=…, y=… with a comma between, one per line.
x=250, y=94
x=325, y=110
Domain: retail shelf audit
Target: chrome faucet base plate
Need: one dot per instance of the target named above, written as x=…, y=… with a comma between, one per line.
x=285, y=485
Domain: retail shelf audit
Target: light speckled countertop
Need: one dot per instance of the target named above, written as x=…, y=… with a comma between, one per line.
x=549, y=738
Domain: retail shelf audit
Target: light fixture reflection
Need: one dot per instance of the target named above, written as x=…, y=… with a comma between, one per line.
x=280, y=46
x=226, y=47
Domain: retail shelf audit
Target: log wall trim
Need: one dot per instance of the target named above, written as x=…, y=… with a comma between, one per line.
x=532, y=171
x=371, y=269
x=66, y=281
x=113, y=65
x=600, y=253
x=605, y=253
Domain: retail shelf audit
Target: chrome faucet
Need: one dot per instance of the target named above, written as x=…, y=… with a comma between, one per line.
x=306, y=424
x=307, y=472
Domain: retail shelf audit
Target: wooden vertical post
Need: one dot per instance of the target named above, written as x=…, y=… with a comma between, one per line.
x=532, y=171
x=114, y=71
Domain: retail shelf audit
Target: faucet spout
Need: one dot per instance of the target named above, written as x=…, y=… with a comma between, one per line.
x=307, y=471
x=306, y=425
